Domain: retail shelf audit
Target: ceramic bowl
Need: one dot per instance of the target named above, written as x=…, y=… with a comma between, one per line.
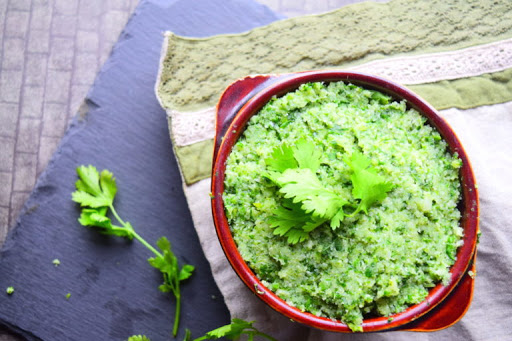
x=444, y=304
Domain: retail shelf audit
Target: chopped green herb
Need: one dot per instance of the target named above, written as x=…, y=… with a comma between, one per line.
x=234, y=330
x=95, y=193
x=9, y=290
x=56, y=262
x=68, y=295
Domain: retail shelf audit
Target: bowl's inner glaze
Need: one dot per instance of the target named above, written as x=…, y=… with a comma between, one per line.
x=280, y=86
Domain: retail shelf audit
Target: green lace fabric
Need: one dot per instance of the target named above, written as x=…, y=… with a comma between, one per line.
x=195, y=71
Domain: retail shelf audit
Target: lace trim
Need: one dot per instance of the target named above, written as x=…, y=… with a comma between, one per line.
x=469, y=62
x=192, y=127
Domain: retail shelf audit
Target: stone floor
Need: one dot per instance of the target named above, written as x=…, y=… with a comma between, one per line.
x=51, y=51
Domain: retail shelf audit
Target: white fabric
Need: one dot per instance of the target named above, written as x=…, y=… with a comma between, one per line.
x=486, y=133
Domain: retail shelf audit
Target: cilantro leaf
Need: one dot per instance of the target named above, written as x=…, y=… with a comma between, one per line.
x=287, y=217
x=302, y=155
x=234, y=330
x=186, y=271
x=281, y=159
x=337, y=219
x=138, y=338
x=94, y=189
x=307, y=155
x=368, y=186
x=303, y=186
x=293, y=170
x=96, y=217
x=292, y=222
x=167, y=263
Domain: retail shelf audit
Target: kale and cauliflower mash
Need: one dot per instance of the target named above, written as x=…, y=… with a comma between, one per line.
x=344, y=202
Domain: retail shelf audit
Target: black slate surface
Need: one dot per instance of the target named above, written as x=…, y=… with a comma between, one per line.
x=113, y=290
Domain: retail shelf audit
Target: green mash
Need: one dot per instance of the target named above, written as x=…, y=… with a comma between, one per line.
x=377, y=262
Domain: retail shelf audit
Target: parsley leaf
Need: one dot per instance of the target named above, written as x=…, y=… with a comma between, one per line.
x=95, y=192
x=368, y=186
x=234, y=330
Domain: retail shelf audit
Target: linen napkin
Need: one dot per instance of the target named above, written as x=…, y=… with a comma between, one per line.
x=455, y=54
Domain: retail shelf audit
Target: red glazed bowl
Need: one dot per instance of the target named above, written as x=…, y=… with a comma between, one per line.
x=444, y=305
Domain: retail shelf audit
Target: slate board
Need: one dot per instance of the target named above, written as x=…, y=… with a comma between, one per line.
x=113, y=290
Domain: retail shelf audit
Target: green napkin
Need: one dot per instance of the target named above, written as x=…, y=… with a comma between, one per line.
x=455, y=54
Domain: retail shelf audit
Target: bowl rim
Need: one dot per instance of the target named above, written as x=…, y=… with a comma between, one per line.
x=469, y=202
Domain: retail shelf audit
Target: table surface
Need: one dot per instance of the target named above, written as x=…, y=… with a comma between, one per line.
x=52, y=51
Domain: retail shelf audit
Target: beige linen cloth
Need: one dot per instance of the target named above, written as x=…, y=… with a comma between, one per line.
x=455, y=54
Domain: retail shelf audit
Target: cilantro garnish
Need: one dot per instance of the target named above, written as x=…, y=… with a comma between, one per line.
x=95, y=192
x=9, y=290
x=303, y=186
x=293, y=222
x=234, y=330
x=308, y=203
x=369, y=186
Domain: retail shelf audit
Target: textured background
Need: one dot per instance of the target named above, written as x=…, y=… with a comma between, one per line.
x=51, y=51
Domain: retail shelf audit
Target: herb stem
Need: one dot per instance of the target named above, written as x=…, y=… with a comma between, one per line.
x=114, y=212
x=177, y=313
x=146, y=244
x=134, y=234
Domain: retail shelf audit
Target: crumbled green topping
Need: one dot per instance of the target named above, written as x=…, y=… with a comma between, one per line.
x=56, y=262
x=378, y=260
x=68, y=295
x=9, y=290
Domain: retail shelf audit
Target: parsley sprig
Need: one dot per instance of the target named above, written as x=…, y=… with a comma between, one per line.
x=307, y=202
x=95, y=192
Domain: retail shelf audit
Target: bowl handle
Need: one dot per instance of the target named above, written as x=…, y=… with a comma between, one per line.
x=234, y=98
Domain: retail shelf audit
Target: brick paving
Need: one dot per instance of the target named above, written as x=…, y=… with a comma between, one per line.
x=51, y=51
